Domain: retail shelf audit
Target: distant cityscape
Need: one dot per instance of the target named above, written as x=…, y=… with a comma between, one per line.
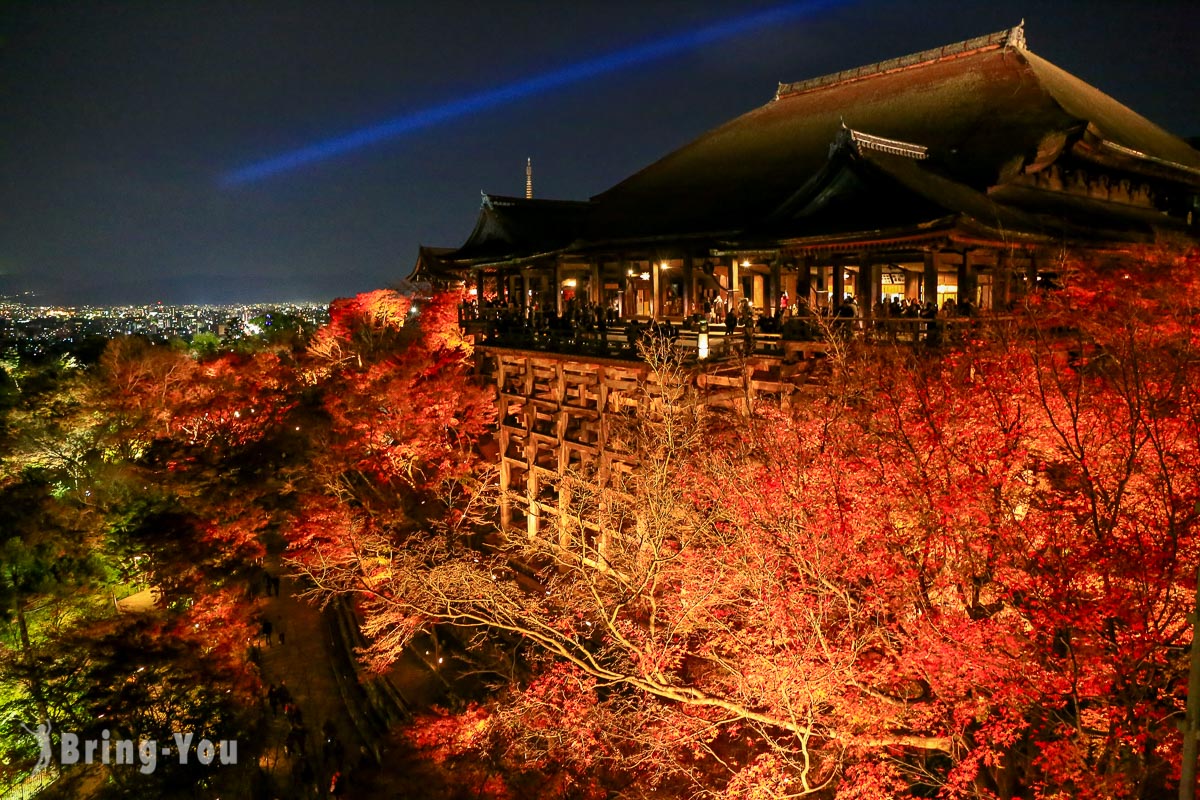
x=34, y=330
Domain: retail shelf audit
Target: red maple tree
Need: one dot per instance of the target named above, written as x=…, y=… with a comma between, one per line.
x=960, y=573
x=966, y=573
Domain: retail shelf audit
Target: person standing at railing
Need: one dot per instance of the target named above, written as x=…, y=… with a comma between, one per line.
x=933, y=334
x=844, y=316
x=748, y=330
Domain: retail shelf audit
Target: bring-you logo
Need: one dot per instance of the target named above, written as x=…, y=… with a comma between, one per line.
x=143, y=754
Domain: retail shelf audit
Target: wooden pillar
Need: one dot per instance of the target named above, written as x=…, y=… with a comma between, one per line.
x=804, y=283
x=929, y=279
x=1002, y=278
x=596, y=286
x=564, y=518
x=505, y=440
x=735, y=283
x=562, y=420
x=838, y=290
x=505, y=485
x=776, y=286
x=558, y=301
x=532, y=521
x=627, y=282
x=868, y=284
x=963, y=279
x=655, y=290
x=689, y=285
x=602, y=464
x=968, y=283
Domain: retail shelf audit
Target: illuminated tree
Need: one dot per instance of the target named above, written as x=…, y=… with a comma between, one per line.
x=156, y=467
x=964, y=574
x=402, y=419
x=52, y=570
x=149, y=677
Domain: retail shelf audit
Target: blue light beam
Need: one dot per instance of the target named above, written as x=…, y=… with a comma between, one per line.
x=491, y=98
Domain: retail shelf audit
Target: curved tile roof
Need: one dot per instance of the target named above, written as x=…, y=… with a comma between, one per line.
x=981, y=112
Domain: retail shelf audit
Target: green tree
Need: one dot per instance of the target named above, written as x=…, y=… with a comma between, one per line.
x=205, y=344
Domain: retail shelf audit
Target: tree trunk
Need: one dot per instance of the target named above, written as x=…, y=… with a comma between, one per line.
x=35, y=681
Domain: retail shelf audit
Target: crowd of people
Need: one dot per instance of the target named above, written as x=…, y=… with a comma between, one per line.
x=717, y=309
x=582, y=320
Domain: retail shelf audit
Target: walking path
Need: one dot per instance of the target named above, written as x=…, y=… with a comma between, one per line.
x=299, y=654
x=304, y=656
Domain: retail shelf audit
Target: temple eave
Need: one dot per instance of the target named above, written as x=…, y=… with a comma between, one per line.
x=938, y=231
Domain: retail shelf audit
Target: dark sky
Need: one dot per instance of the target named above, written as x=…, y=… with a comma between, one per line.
x=117, y=120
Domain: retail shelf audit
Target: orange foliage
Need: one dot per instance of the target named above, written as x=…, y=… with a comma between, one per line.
x=964, y=575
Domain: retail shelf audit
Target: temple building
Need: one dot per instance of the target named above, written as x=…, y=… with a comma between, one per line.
x=952, y=175
x=897, y=200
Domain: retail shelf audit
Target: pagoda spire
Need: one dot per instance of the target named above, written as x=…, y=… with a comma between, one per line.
x=529, y=179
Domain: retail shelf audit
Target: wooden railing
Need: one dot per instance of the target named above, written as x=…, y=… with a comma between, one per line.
x=797, y=337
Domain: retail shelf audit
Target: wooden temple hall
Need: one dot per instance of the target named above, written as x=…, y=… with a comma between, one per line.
x=896, y=198
x=948, y=180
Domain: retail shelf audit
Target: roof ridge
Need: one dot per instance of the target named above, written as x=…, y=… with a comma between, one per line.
x=1011, y=37
x=492, y=200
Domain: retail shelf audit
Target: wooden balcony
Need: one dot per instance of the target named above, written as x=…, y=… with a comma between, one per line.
x=795, y=339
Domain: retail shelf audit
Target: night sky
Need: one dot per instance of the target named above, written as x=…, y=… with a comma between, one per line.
x=118, y=121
